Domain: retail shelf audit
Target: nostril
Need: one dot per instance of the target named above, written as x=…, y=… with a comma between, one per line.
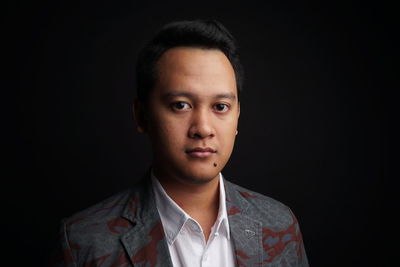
x=197, y=135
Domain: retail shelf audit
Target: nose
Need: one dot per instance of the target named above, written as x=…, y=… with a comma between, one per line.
x=201, y=125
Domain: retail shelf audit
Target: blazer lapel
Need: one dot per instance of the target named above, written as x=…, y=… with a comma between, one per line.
x=246, y=232
x=145, y=243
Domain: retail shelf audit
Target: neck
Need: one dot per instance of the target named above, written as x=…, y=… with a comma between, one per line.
x=192, y=198
x=199, y=200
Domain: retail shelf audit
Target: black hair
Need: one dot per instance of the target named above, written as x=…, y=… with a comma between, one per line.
x=207, y=34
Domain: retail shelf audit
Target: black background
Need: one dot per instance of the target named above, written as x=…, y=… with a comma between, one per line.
x=312, y=131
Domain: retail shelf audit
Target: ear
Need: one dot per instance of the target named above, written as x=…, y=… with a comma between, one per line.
x=238, y=109
x=139, y=115
x=238, y=115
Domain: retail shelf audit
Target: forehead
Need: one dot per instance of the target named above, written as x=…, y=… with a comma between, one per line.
x=202, y=71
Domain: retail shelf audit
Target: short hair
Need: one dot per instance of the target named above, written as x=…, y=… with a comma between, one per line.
x=205, y=34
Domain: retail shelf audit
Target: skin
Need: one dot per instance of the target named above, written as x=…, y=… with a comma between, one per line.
x=194, y=104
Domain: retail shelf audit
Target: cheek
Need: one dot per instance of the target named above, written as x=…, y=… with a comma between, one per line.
x=227, y=136
x=174, y=134
x=166, y=131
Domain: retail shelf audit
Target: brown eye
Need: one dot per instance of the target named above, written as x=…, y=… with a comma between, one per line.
x=180, y=105
x=221, y=107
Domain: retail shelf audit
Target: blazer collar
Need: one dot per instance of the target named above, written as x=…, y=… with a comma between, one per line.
x=246, y=232
x=145, y=243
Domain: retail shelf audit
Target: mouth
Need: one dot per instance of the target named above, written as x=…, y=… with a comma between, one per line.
x=201, y=152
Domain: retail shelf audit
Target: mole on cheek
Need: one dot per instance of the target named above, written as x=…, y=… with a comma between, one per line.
x=215, y=164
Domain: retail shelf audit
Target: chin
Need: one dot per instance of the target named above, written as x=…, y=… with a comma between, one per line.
x=200, y=174
x=198, y=180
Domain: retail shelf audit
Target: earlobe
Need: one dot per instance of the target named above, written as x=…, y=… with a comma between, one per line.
x=238, y=116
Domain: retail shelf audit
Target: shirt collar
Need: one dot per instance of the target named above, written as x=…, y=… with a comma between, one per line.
x=174, y=217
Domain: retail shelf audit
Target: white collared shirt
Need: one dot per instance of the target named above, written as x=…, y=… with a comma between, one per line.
x=186, y=242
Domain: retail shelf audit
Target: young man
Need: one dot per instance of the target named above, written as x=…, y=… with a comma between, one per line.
x=183, y=212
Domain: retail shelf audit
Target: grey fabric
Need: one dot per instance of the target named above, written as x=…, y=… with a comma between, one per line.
x=126, y=230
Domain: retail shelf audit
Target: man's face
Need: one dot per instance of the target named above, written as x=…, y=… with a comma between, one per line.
x=192, y=114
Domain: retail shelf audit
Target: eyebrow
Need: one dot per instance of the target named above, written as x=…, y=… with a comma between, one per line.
x=230, y=96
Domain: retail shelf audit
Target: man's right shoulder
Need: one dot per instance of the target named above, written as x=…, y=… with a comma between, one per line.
x=106, y=213
x=94, y=234
x=102, y=211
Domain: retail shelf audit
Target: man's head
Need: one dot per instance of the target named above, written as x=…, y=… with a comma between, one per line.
x=189, y=78
x=207, y=34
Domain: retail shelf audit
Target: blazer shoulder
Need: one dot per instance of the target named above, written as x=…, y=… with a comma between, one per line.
x=94, y=234
x=102, y=211
x=270, y=212
x=111, y=217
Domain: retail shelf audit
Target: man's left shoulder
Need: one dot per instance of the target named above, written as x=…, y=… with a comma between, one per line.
x=259, y=207
x=277, y=228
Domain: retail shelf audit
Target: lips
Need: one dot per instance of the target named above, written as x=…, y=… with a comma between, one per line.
x=200, y=152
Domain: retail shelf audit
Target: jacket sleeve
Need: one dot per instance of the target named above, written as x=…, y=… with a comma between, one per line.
x=63, y=256
x=303, y=261
x=301, y=252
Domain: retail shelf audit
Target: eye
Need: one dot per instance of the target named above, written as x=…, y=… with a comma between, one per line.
x=179, y=105
x=221, y=107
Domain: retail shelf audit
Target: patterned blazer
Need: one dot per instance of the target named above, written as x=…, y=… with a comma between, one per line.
x=126, y=230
